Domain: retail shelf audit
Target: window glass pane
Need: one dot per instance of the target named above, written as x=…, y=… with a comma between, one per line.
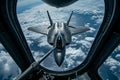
x=8, y=68
x=87, y=13
x=110, y=69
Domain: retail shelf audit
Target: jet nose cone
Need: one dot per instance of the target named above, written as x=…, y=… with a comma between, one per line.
x=59, y=58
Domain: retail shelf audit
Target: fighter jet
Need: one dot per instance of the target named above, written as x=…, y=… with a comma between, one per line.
x=59, y=36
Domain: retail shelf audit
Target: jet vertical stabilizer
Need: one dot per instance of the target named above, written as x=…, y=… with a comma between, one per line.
x=51, y=22
x=69, y=18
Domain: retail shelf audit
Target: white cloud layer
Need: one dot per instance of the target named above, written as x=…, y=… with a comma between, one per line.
x=78, y=49
x=21, y=3
x=8, y=68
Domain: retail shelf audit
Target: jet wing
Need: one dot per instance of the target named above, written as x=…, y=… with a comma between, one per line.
x=77, y=30
x=39, y=29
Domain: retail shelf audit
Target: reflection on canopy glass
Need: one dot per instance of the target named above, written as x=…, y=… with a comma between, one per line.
x=84, y=15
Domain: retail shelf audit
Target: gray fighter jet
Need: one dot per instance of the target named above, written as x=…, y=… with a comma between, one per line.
x=59, y=35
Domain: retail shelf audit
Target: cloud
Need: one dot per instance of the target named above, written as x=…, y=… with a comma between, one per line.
x=89, y=39
x=80, y=43
x=97, y=18
x=78, y=7
x=1, y=46
x=74, y=57
x=22, y=3
x=118, y=56
x=112, y=62
x=8, y=68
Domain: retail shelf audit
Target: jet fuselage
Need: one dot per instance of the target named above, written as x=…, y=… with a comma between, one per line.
x=60, y=29
x=59, y=36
